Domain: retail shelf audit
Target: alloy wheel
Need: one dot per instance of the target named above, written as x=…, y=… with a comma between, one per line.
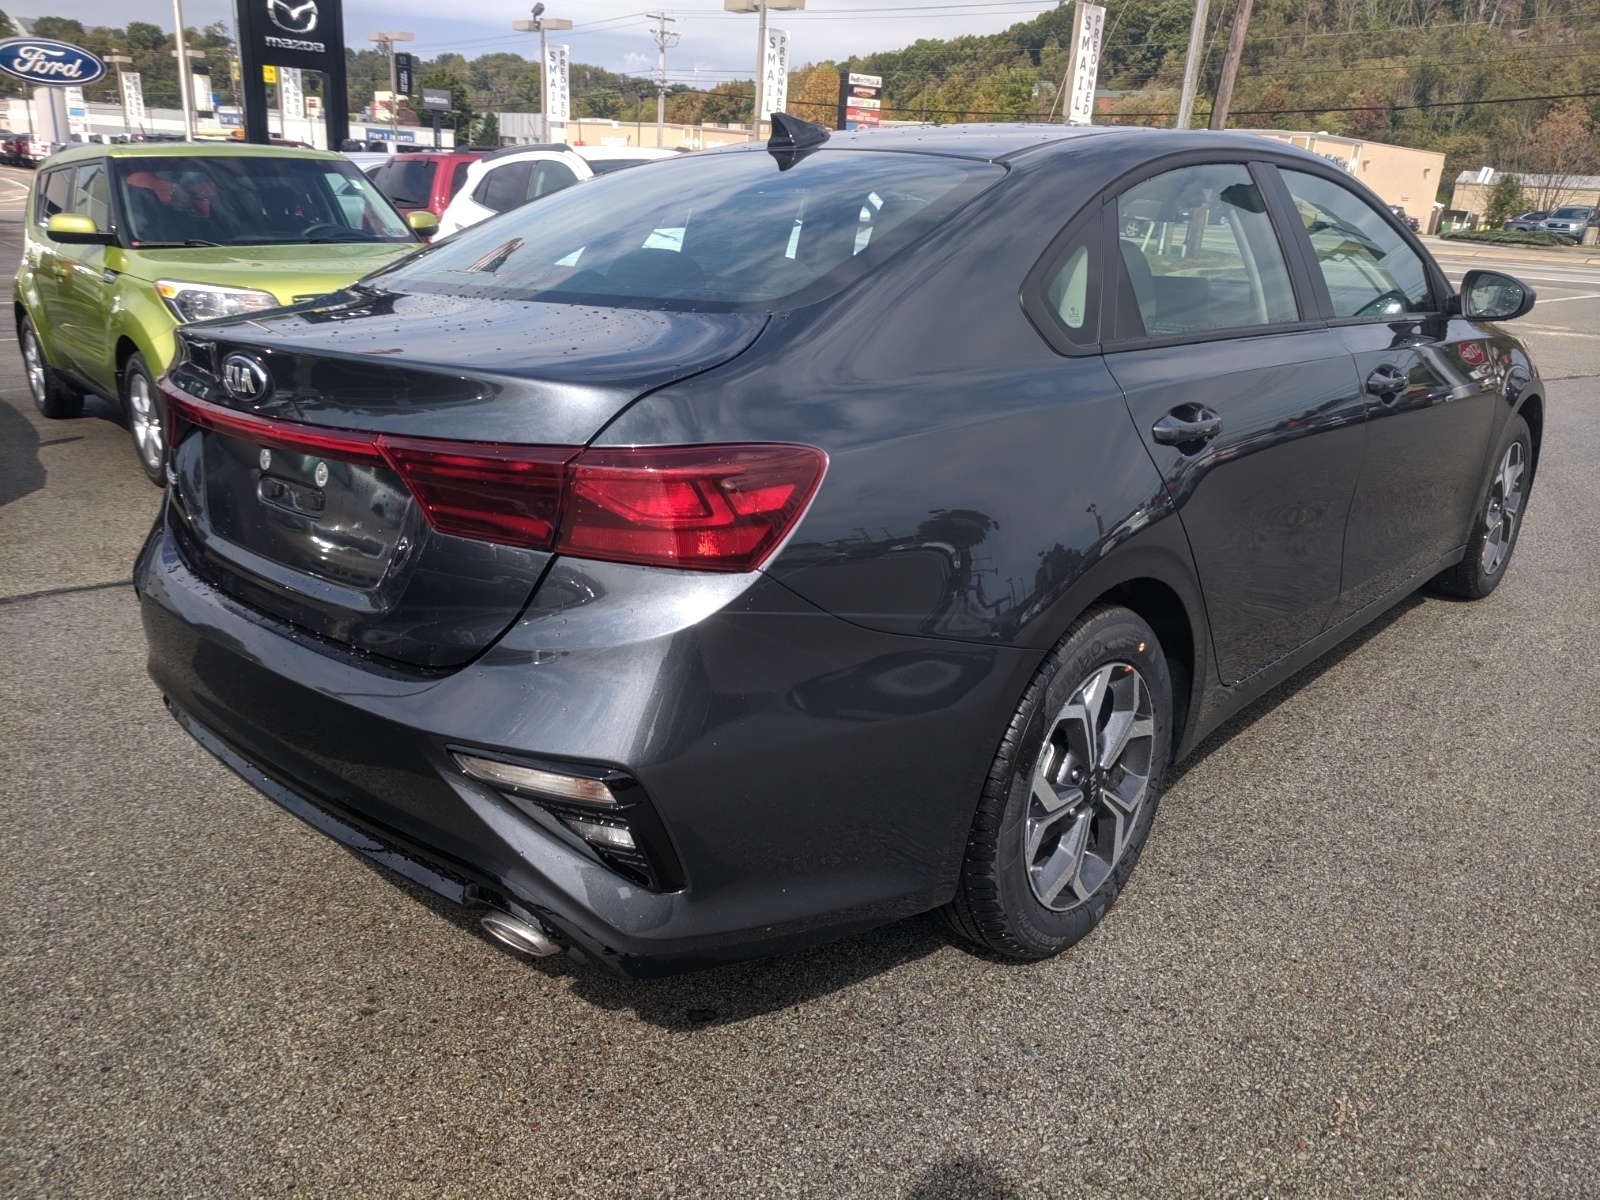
x=1505, y=508
x=33, y=361
x=1089, y=786
x=144, y=422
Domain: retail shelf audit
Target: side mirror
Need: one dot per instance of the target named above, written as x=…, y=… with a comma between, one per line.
x=75, y=229
x=1491, y=296
x=423, y=223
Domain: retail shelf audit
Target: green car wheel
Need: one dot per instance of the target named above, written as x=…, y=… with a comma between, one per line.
x=51, y=397
x=147, y=420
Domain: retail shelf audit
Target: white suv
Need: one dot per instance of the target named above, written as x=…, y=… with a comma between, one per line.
x=513, y=175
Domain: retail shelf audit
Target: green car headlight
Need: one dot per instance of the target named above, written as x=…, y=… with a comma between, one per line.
x=203, y=301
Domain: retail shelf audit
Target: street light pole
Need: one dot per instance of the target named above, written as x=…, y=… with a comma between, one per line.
x=539, y=24
x=185, y=87
x=385, y=42
x=760, y=7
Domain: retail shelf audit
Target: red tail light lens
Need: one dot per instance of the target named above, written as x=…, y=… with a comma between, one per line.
x=508, y=494
x=706, y=508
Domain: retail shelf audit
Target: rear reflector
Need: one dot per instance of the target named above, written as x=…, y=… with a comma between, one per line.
x=706, y=508
x=561, y=786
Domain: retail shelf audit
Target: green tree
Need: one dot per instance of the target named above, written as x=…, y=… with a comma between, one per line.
x=486, y=130
x=1505, y=200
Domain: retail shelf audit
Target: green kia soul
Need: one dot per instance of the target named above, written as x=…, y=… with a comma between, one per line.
x=125, y=243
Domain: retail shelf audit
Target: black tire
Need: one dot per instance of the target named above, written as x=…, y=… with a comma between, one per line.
x=999, y=905
x=52, y=396
x=147, y=419
x=1496, y=521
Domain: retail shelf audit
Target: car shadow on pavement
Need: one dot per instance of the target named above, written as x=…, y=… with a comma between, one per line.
x=21, y=472
x=1307, y=674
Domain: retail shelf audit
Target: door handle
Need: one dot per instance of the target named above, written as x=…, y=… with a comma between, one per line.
x=1386, y=382
x=1188, y=425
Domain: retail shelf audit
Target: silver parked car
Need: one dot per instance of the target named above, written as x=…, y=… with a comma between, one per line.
x=1571, y=219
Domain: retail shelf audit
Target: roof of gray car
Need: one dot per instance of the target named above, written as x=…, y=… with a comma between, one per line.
x=994, y=142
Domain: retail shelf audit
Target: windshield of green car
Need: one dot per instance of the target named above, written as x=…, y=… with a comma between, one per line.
x=227, y=200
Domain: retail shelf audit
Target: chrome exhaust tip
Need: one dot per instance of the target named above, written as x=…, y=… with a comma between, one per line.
x=518, y=934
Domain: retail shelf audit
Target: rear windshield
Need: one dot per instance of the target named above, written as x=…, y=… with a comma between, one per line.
x=406, y=181
x=716, y=232
x=604, y=166
x=217, y=200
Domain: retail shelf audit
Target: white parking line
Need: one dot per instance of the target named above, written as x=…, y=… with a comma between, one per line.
x=1558, y=332
x=1560, y=299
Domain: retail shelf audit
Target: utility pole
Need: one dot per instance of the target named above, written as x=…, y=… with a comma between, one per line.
x=663, y=40
x=1230, y=65
x=185, y=87
x=1191, y=65
x=540, y=24
x=385, y=42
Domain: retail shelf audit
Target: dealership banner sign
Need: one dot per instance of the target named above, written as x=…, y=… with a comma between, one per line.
x=775, y=73
x=291, y=94
x=133, y=97
x=557, y=93
x=1088, y=24
x=46, y=61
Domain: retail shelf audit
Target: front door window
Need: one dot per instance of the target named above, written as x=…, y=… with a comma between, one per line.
x=1201, y=253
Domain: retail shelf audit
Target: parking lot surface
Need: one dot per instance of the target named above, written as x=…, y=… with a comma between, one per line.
x=1360, y=957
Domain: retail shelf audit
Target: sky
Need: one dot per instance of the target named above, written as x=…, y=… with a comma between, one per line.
x=615, y=34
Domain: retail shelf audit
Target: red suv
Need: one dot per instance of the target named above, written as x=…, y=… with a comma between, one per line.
x=424, y=181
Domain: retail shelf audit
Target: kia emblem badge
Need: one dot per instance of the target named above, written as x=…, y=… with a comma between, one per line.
x=245, y=378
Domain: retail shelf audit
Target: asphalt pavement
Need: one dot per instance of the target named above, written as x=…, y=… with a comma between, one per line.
x=1360, y=956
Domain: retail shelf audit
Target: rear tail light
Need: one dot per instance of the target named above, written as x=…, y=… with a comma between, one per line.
x=705, y=508
x=492, y=493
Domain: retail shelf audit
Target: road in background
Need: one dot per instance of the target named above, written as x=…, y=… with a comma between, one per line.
x=1359, y=956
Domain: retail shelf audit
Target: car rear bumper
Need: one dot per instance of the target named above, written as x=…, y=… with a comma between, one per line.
x=813, y=777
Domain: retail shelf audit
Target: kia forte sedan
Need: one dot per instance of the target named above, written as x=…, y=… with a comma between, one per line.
x=761, y=547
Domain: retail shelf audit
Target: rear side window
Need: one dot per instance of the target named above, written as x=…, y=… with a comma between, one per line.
x=1066, y=296
x=1369, y=268
x=723, y=232
x=550, y=177
x=55, y=194
x=1200, y=253
x=409, y=183
x=504, y=187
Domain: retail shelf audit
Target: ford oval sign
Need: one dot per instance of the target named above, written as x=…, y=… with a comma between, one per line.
x=44, y=60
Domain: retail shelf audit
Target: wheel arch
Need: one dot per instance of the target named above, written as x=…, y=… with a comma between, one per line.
x=1157, y=583
x=1531, y=410
x=126, y=348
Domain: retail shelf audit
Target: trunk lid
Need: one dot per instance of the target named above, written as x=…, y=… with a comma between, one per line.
x=328, y=535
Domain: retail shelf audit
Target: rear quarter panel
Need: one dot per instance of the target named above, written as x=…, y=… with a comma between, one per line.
x=976, y=477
